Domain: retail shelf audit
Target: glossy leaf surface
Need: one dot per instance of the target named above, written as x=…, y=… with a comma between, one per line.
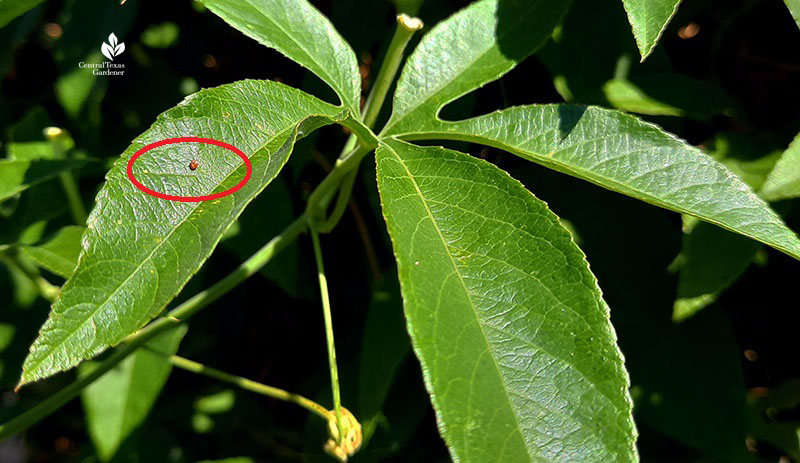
x=139, y=250
x=621, y=153
x=648, y=19
x=299, y=31
x=508, y=323
x=468, y=50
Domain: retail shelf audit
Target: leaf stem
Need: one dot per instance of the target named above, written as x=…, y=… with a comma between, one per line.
x=406, y=26
x=343, y=175
x=58, y=139
x=247, y=384
x=45, y=289
x=139, y=338
x=76, y=207
x=326, y=310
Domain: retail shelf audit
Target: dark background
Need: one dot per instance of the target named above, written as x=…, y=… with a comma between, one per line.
x=697, y=397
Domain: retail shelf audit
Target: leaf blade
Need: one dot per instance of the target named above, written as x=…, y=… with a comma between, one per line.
x=653, y=166
x=119, y=402
x=442, y=208
x=649, y=19
x=60, y=254
x=117, y=288
x=17, y=176
x=471, y=48
x=10, y=9
x=784, y=180
x=298, y=30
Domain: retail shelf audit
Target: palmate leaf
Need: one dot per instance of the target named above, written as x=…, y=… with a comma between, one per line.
x=621, y=153
x=299, y=31
x=648, y=19
x=511, y=329
x=469, y=49
x=139, y=250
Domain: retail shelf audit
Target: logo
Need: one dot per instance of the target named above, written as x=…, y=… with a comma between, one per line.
x=112, y=48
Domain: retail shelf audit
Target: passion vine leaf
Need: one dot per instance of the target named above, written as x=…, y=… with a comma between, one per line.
x=711, y=260
x=10, y=9
x=18, y=176
x=118, y=403
x=513, y=334
x=139, y=250
x=648, y=19
x=624, y=154
x=784, y=180
x=59, y=254
x=299, y=31
x=469, y=49
x=794, y=9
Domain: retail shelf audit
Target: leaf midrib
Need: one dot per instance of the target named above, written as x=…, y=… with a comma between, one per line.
x=435, y=224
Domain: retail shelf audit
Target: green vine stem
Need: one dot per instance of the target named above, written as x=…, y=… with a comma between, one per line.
x=139, y=338
x=246, y=384
x=57, y=137
x=406, y=27
x=45, y=289
x=326, y=310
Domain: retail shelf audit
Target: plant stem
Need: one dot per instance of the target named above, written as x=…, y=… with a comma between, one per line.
x=326, y=310
x=343, y=176
x=76, y=207
x=406, y=26
x=247, y=384
x=58, y=137
x=139, y=338
x=45, y=289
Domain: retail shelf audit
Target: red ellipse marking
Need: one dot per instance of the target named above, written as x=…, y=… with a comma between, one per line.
x=190, y=199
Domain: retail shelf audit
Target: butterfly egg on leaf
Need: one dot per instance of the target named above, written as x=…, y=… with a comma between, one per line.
x=194, y=164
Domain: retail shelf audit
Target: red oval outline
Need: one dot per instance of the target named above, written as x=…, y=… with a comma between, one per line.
x=190, y=199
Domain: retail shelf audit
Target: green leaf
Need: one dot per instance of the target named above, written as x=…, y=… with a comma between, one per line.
x=794, y=9
x=118, y=402
x=508, y=322
x=276, y=203
x=784, y=180
x=18, y=176
x=648, y=19
x=30, y=151
x=469, y=49
x=302, y=33
x=10, y=9
x=711, y=260
x=139, y=250
x=60, y=254
x=383, y=348
x=621, y=153
x=669, y=94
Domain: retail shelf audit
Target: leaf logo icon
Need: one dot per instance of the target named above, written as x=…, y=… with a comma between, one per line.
x=113, y=47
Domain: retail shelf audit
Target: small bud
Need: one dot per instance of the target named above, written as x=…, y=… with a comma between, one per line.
x=347, y=447
x=51, y=133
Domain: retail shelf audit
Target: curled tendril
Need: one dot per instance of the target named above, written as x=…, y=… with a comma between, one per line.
x=342, y=449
